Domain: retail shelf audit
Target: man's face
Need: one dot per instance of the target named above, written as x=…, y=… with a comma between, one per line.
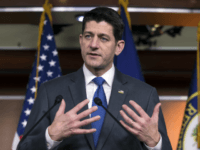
x=98, y=45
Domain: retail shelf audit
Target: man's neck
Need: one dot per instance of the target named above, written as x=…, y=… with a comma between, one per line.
x=98, y=71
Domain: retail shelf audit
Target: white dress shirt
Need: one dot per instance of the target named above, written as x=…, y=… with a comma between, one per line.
x=90, y=90
x=91, y=87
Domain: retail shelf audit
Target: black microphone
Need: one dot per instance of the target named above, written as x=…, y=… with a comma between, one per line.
x=99, y=103
x=57, y=101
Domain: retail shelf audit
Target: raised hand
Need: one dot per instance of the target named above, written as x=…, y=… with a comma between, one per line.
x=145, y=128
x=68, y=124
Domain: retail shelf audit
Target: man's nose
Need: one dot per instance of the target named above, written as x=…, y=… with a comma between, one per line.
x=94, y=43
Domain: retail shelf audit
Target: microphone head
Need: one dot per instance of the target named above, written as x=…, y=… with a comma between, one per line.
x=58, y=99
x=98, y=101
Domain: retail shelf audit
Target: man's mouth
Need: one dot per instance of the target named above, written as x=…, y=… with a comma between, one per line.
x=94, y=54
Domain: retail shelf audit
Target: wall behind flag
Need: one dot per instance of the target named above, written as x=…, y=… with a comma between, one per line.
x=9, y=114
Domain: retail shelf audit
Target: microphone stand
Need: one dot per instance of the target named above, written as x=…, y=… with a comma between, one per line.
x=99, y=103
x=57, y=101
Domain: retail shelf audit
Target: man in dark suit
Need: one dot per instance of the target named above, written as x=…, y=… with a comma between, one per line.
x=71, y=126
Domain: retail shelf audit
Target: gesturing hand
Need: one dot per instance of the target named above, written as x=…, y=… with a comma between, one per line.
x=67, y=124
x=143, y=127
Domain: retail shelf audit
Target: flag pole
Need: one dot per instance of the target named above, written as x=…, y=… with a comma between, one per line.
x=198, y=82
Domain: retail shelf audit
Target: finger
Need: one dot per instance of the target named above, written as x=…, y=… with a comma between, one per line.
x=61, y=109
x=82, y=131
x=139, y=109
x=86, y=112
x=80, y=105
x=129, y=120
x=132, y=113
x=156, y=112
x=78, y=124
x=88, y=121
x=133, y=131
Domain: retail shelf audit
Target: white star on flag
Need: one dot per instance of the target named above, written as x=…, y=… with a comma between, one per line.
x=40, y=68
x=49, y=37
x=31, y=100
x=55, y=52
x=37, y=79
x=33, y=89
x=45, y=22
x=43, y=57
x=52, y=63
x=27, y=112
x=49, y=73
x=24, y=123
x=46, y=47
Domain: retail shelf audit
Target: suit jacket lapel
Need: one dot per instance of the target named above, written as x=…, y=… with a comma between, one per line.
x=78, y=92
x=77, y=88
x=116, y=100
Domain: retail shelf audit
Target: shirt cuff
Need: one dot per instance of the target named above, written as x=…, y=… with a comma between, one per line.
x=157, y=147
x=50, y=143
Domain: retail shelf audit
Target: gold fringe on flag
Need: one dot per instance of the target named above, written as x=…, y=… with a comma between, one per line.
x=125, y=3
x=47, y=10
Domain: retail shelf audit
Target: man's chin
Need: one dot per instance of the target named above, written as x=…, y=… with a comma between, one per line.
x=94, y=66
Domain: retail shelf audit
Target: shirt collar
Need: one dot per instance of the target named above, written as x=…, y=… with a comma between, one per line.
x=108, y=76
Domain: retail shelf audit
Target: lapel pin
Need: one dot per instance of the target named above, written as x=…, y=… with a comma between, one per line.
x=121, y=92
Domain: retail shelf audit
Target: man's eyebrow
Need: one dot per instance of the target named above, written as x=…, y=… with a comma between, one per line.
x=87, y=32
x=102, y=34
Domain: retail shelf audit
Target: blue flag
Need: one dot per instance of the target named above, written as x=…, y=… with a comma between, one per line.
x=188, y=134
x=128, y=62
x=47, y=69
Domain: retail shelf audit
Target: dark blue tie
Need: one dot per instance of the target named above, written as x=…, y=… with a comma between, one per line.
x=100, y=111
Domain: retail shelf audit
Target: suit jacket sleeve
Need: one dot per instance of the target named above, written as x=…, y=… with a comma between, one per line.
x=154, y=99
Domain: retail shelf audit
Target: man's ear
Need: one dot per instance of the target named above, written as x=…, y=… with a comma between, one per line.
x=80, y=38
x=119, y=47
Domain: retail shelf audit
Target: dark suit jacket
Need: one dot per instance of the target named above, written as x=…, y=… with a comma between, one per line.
x=112, y=137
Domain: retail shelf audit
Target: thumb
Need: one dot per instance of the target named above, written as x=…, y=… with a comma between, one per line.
x=156, y=112
x=61, y=109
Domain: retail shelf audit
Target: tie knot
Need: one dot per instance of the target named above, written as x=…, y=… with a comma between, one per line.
x=98, y=80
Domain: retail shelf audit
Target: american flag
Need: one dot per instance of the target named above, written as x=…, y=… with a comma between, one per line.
x=47, y=69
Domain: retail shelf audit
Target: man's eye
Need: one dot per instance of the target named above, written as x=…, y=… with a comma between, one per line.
x=104, y=39
x=87, y=36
